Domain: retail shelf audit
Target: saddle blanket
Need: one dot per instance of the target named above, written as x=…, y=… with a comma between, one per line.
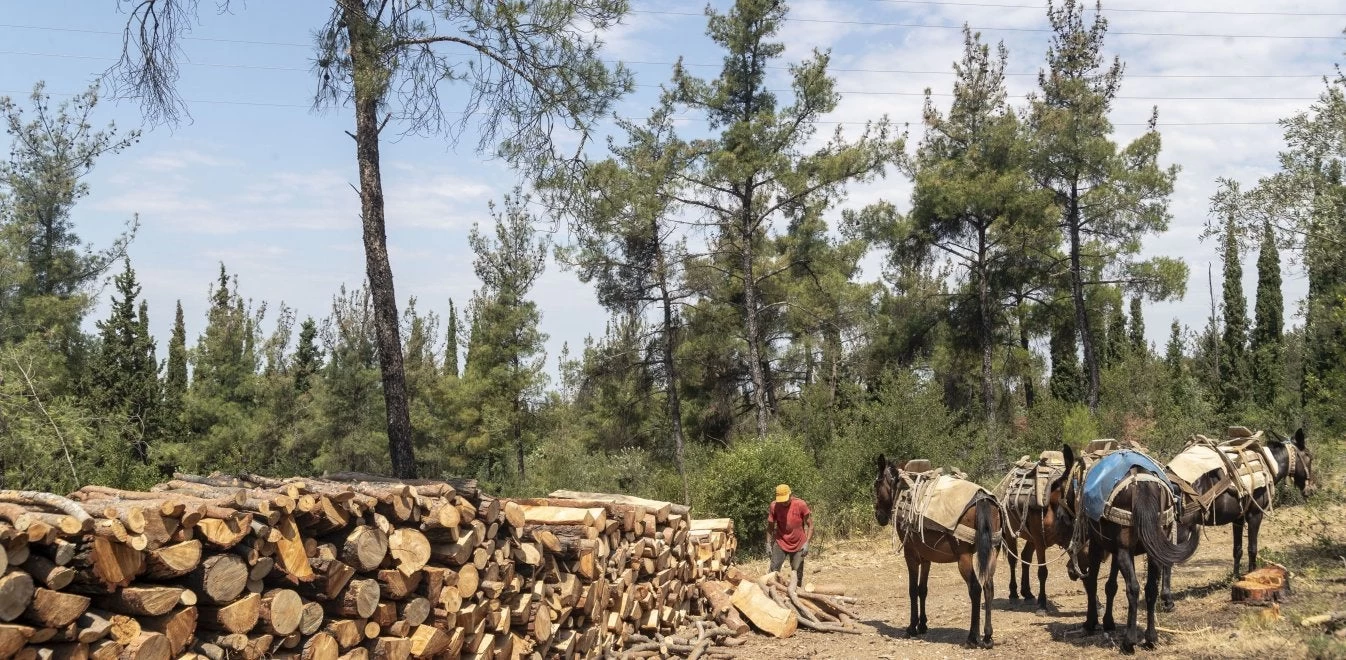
x=1029, y=481
x=1250, y=464
x=1104, y=476
x=940, y=501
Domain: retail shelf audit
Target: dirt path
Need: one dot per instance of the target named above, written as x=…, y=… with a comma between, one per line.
x=1305, y=539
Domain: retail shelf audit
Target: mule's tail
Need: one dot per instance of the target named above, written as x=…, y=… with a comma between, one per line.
x=1148, y=502
x=986, y=537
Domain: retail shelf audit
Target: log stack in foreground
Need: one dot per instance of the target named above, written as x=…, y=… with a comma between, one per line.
x=350, y=566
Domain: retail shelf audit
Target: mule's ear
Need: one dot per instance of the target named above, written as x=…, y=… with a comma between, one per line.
x=1299, y=439
x=881, y=463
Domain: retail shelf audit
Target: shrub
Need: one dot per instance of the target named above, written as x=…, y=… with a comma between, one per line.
x=740, y=482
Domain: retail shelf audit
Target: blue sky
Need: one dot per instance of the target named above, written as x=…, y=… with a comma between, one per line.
x=260, y=182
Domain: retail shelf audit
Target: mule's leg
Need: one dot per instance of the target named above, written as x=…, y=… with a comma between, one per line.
x=913, y=588
x=1123, y=559
x=988, y=594
x=1110, y=589
x=1090, y=580
x=1254, y=525
x=1238, y=546
x=1166, y=593
x=924, y=591
x=1042, y=576
x=1030, y=544
x=1011, y=550
x=1152, y=572
x=966, y=567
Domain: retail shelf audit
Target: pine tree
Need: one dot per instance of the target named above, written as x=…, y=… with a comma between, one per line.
x=125, y=377
x=1173, y=361
x=506, y=357
x=451, y=344
x=175, y=381
x=1136, y=328
x=1109, y=197
x=1234, y=339
x=757, y=170
x=1268, y=368
x=1118, y=344
x=307, y=356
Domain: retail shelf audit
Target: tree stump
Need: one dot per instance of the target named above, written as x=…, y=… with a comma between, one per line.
x=1269, y=584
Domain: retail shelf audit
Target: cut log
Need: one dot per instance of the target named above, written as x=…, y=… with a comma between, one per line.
x=173, y=561
x=47, y=572
x=178, y=627
x=414, y=612
x=1269, y=584
x=320, y=647
x=660, y=510
x=564, y=515
x=290, y=551
x=762, y=612
x=346, y=632
x=826, y=589
x=124, y=629
x=54, y=609
x=409, y=549
x=390, y=648
x=237, y=617
x=311, y=618
x=395, y=585
x=225, y=533
x=111, y=563
x=143, y=601
x=358, y=600
x=364, y=548
x=219, y=578
x=16, y=592
x=148, y=646
x=427, y=641
x=280, y=612
x=12, y=638
x=721, y=607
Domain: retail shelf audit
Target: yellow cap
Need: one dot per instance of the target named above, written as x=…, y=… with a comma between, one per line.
x=782, y=493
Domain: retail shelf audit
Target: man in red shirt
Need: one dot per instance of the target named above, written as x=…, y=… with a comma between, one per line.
x=790, y=525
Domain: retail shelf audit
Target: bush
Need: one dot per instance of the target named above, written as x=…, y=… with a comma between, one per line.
x=739, y=483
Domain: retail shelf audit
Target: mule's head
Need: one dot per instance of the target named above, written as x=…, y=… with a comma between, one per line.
x=1303, y=468
x=885, y=489
x=1062, y=505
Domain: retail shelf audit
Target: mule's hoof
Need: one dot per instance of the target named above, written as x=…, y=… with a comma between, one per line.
x=911, y=631
x=921, y=629
x=1090, y=628
x=1041, y=611
x=1166, y=606
x=1109, y=626
x=971, y=643
x=987, y=643
x=1012, y=595
x=1148, y=645
x=1028, y=595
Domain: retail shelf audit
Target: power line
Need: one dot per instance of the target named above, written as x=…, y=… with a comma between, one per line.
x=984, y=28
x=685, y=118
x=830, y=69
x=1135, y=10
x=865, y=92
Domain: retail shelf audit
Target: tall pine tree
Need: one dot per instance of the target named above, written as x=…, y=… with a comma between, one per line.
x=451, y=343
x=125, y=381
x=1136, y=328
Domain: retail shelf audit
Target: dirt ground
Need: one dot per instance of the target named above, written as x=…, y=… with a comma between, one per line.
x=1307, y=539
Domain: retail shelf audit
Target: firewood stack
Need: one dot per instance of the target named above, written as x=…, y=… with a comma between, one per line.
x=349, y=566
x=714, y=545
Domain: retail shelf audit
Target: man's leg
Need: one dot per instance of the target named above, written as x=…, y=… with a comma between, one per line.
x=797, y=564
x=777, y=557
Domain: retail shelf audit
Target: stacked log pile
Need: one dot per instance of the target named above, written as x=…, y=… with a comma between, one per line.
x=713, y=546
x=350, y=566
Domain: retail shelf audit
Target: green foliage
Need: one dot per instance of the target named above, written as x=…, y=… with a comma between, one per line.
x=739, y=483
x=1136, y=328
x=1267, y=359
x=1234, y=377
x=1066, y=381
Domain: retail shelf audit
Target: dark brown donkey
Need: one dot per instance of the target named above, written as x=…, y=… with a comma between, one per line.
x=976, y=561
x=1148, y=506
x=1292, y=460
x=1036, y=525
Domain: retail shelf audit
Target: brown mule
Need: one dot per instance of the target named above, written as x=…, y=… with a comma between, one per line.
x=1037, y=527
x=976, y=561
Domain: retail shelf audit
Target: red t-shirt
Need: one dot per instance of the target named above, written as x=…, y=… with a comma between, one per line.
x=789, y=520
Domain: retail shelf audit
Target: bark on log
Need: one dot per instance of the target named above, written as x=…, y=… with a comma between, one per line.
x=364, y=548
x=320, y=647
x=358, y=600
x=142, y=601
x=54, y=609
x=12, y=638
x=1268, y=584
x=764, y=613
x=148, y=646
x=179, y=627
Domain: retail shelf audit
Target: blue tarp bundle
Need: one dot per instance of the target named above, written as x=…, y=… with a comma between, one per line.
x=1104, y=476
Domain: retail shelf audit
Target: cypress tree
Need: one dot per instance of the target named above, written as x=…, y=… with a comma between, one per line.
x=451, y=343
x=1234, y=339
x=1137, y=327
x=1066, y=382
x=1173, y=361
x=1118, y=342
x=1267, y=365
x=175, y=380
